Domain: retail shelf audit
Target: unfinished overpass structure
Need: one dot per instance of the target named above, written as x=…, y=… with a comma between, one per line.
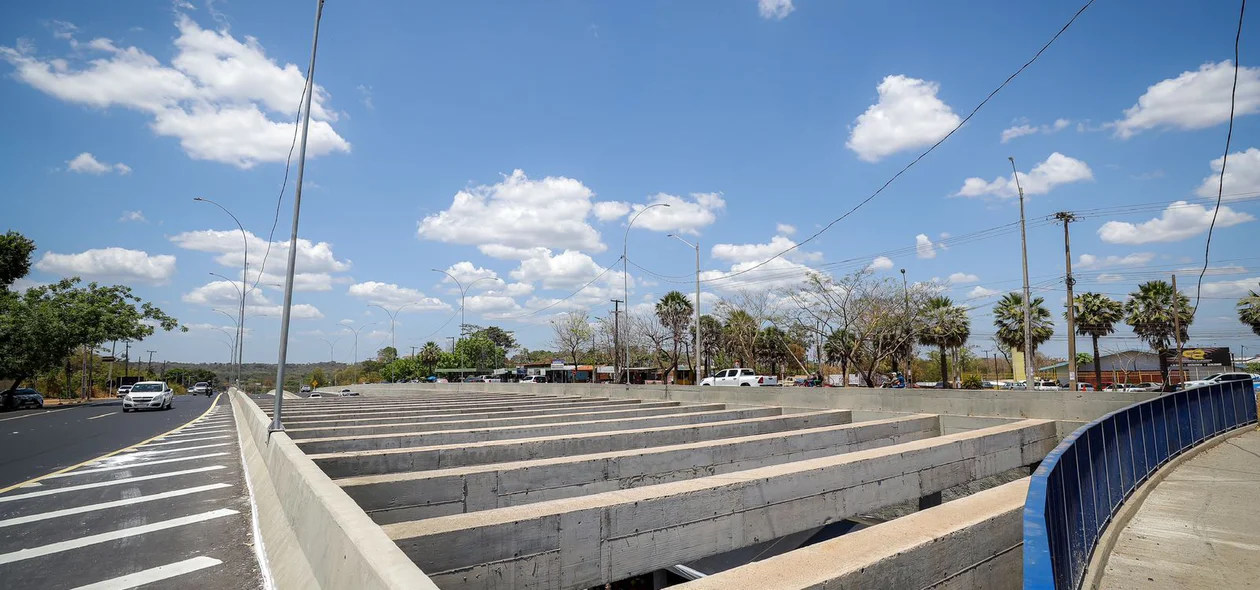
x=506, y=487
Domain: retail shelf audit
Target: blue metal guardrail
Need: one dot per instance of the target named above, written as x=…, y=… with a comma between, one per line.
x=1083, y=481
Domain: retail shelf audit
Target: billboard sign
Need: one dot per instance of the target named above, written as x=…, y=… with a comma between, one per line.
x=1214, y=356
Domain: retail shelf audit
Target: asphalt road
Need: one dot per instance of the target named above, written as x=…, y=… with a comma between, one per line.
x=173, y=512
x=37, y=442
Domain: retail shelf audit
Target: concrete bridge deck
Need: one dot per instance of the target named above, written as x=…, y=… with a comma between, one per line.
x=547, y=489
x=1198, y=528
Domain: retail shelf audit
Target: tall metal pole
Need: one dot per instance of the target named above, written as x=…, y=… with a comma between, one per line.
x=1067, y=217
x=1023, y=240
x=1181, y=371
x=293, y=237
x=625, y=278
x=463, y=291
x=240, y=323
x=695, y=369
x=616, y=335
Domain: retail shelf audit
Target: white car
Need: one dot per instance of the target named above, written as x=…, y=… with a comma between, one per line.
x=202, y=388
x=314, y=395
x=739, y=377
x=1218, y=378
x=534, y=379
x=149, y=395
x=123, y=390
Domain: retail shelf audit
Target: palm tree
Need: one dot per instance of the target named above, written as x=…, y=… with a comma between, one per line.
x=1008, y=318
x=430, y=355
x=1249, y=311
x=740, y=336
x=1097, y=316
x=945, y=326
x=839, y=349
x=1151, y=311
x=674, y=312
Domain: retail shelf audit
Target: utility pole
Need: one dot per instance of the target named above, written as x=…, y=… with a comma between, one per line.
x=1068, y=217
x=413, y=351
x=1181, y=371
x=616, y=336
x=276, y=424
x=127, y=359
x=452, y=339
x=1023, y=241
x=150, y=367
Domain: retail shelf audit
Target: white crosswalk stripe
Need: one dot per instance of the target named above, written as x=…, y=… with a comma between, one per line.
x=112, y=536
x=133, y=465
x=102, y=484
x=113, y=504
x=157, y=574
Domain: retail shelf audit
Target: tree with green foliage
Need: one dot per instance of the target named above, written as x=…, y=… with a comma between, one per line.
x=945, y=326
x=430, y=354
x=571, y=332
x=42, y=327
x=504, y=339
x=838, y=349
x=1154, y=312
x=387, y=355
x=479, y=352
x=1249, y=311
x=1008, y=318
x=317, y=378
x=1097, y=316
x=710, y=339
x=674, y=311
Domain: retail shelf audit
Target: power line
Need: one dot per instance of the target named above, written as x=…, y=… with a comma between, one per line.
x=1229, y=136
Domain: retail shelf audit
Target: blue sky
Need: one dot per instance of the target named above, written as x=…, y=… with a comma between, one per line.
x=513, y=140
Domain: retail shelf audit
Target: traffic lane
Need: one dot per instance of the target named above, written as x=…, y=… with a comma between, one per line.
x=137, y=518
x=44, y=443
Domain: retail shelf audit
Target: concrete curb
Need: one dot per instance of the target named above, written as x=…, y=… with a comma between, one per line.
x=1102, y=550
x=313, y=535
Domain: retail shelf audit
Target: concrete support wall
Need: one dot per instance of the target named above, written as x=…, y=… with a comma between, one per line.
x=312, y=533
x=972, y=542
x=423, y=415
x=590, y=540
x=1051, y=405
x=349, y=464
x=371, y=442
x=414, y=496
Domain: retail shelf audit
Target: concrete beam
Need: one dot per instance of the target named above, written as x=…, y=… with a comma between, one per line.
x=505, y=405
x=432, y=416
x=373, y=442
x=460, y=411
x=972, y=542
x=591, y=540
x=443, y=456
x=351, y=404
x=462, y=423
x=412, y=496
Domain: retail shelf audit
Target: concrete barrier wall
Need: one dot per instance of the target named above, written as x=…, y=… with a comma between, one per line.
x=1049, y=405
x=313, y=535
x=972, y=542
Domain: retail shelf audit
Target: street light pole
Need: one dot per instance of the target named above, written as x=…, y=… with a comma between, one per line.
x=240, y=325
x=1023, y=239
x=356, y=346
x=276, y=425
x=625, y=279
x=392, y=316
x=331, y=357
x=695, y=369
x=462, y=292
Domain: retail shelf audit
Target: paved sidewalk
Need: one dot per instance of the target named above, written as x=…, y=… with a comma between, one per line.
x=1199, y=528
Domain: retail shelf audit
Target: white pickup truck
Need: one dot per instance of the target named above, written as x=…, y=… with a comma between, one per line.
x=740, y=377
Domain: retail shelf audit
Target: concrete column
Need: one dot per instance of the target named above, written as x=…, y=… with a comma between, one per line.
x=930, y=501
x=660, y=579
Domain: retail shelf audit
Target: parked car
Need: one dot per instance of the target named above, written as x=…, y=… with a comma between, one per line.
x=1148, y=386
x=1218, y=378
x=26, y=397
x=534, y=379
x=1046, y=385
x=739, y=377
x=305, y=389
x=123, y=390
x=348, y=393
x=1084, y=386
x=314, y=395
x=149, y=395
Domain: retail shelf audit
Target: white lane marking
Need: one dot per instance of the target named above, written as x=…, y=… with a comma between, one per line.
x=182, y=433
x=126, y=501
x=101, y=484
x=102, y=415
x=176, y=450
x=33, y=484
x=157, y=574
x=112, y=536
x=183, y=441
x=132, y=465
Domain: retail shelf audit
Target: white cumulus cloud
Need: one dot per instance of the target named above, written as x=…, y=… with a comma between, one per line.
x=1090, y=261
x=1242, y=176
x=881, y=263
x=785, y=229
x=682, y=215
x=1236, y=288
x=923, y=247
x=315, y=260
x=467, y=273
x=224, y=99
x=392, y=296
x=775, y=9
x=610, y=210
x=1024, y=128
x=1193, y=100
x=962, y=278
x=118, y=264
x=517, y=214
x=1179, y=221
x=755, y=252
x=907, y=115
x=1055, y=170
x=979, y=292
x=86, y=163
x=137, y=216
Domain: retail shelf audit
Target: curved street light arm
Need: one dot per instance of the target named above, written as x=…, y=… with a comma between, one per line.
x=625, y=275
